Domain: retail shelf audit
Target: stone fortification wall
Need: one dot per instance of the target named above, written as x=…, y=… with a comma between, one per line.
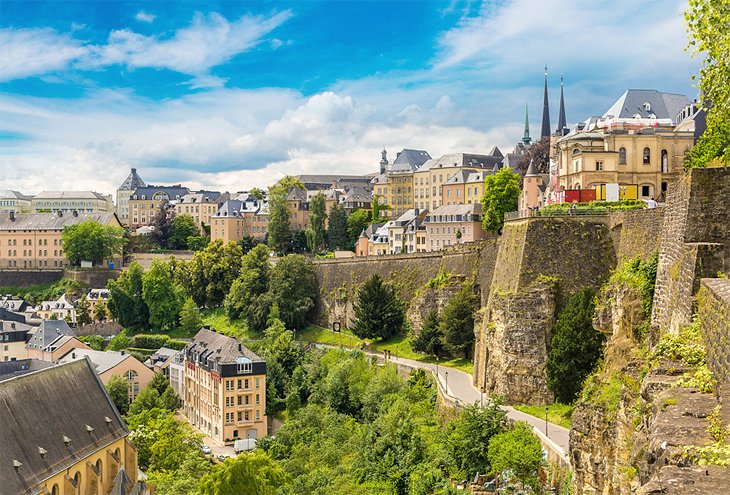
x=695, y=243
x=714, y=311
x=105, y=329
x=340, y=279
x=636, y=232
x=26, y=278
x=96, y=278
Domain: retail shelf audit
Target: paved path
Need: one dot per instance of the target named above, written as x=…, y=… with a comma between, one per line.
x=457, y=386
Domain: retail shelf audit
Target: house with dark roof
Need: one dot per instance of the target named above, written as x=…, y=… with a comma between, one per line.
x=13, y=336
x=71, y=201
x=61, y=434
x=394, y=187
x=130, y=184
x=145, y=201
x=51, y=340
x=201, y=206
x=225, y=387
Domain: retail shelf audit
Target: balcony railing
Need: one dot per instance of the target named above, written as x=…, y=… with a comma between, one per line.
x=516, y=215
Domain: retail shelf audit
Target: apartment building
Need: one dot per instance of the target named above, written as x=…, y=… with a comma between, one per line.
x=144, y=202
x=395, y=184
x=51, y=340
x=298, y=202
x=13, y=336
x=82, y=447
x=402, y=232
x=71, y=201
x=109, y=363
x=429, y=179
x=454, y=224
x=124, y=192
x=33, y=240
x=14, y=201
x=225, y=387
x=245, y=215
x=464, y=187
x=201, y=205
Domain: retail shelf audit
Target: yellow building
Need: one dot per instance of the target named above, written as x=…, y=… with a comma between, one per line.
x=428, y=180
x=394, y=185
x=78, y=446
x=225, y=388
x=201, y=205
x=144, y=202
x=13, y=336
x=109, y=363
x=239, y=217
x=124, y=192
x=14, y=201
x=636, y=142
x=71, y=201
x=464, y=188
x=33, y=240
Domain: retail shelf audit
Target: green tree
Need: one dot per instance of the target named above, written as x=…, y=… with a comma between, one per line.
x=248, y=242
x=317, y=219
x=378, y=311
x=279, y=230
x=501, y=194
x=83, y=313
x=429, y=340
x=126, y=303
x=185, y=479
x=100, y=312
x=118, y=391
x=247, y=297
x=190, y=319
x=212, y=271
x=293, y=285
x=196, y=242
x=337, y=229
x=160, y=383
x=468, y=437
x=707, y=24
x=96, y=342
x=575, y=347
x=148, y=398
x=456, y=322
x=170, y=400
x=163, y=297
x=162, y=223
x=92, y=241
x=183, y=226
x=516, y=450
x=356, y=223
x=378, y=207
x=252, y=474
x=257, y=193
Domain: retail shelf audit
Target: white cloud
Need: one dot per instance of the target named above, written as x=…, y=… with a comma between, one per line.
x=143, y=16
x=209, y=41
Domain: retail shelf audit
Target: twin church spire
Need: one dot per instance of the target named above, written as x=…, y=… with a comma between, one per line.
x=545, y=128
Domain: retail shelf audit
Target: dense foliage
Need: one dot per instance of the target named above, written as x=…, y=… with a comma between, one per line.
x=517, y=451
x=317, y=218
x=337, y=233
x=126, y=303
x=456, y=322
x=501, y=194
x=182, y=228
x=379, y=314
x=429, y=339
x=356, y=223
x=247, y=296
x=91, y=241
x=293, y=285
x=575, y=347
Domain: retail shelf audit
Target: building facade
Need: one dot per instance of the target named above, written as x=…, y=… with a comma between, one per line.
x=454, y=224
x=144, y=202
x=79, y=446
x=201, y=206
x=124, y=192
x=225, y=388
x=394, y=187
x=13, y=336
x=33, y=240
x=465, y=187
x=14, y=201
x=71, y=201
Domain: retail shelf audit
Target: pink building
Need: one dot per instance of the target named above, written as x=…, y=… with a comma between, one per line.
x=454, y=224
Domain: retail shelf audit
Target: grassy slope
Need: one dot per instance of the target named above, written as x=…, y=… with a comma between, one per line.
x=399, y=346
x=559, y=414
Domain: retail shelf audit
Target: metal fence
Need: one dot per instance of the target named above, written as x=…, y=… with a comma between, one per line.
x=566, y=212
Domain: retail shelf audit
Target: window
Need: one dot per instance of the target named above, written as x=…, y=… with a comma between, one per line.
x=229, y=384
x=258, y=399
x=54, y=490
x=622, y=156
x=98, y=468
x=599, y=165
x=258, y=382
x=646, y=190
x=131, y=375
x=647, y=156
x=77, y=482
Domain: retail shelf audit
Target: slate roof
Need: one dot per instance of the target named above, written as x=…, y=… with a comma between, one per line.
x=70, y=195
x=14, y=326
x=132, y=182
x=10, y=369
x=496, y=152
x=103, y=361
x=468, y=209
x=51, y=221
x=531, y=170
x=409, y=161
x=296, y=194
x=9, y=194
x=201, y=197
x=663, y=105
x=220, y=348
x=463, y=160
x=48, y=332
x=13, y=303
x=174, y=192
x=82, y=412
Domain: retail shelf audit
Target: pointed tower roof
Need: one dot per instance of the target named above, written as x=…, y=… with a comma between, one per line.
x=526, y=136
x=531, y=170
x=545, y=129
x=132, y=182
x=561, y=114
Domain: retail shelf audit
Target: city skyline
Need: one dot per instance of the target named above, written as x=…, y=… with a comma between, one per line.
x=230, y=96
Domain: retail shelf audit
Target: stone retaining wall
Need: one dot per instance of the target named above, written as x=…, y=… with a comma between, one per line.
x=714, y=311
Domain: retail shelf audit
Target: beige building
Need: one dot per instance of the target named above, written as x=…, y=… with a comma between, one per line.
x=108, y=364
x=14, y=201
x=62, y=435
x=243, y=216
x=402, y=232
x=464, y=187
x=51, y=340
x=144, y=202
x=225, y=388
x=455, y=224
x=13, y=336
x=124, y=192
x=71, y=201
x=201, y=205
x=60, y=309
x=635, y=143
x=394, y=185
x=534, y=188
x=434, y=174
x=33, y=240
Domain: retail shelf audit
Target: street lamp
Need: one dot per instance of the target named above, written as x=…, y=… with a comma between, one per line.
x=546, y=420
x=437, y=370
x=446, y=374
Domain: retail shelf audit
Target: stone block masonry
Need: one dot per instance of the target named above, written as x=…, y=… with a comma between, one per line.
x=26, y=278
x=636, y=232
x=713, y=307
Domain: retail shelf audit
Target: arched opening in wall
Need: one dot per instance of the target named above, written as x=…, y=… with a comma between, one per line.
x=663, y=196
x=665, y=162
x=101, y=475
x=577, y=185
x=622, y=156
x=55, y=490
x=647, y=156
x=77, y=482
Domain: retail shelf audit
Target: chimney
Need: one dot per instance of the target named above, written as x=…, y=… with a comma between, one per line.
x=240, y=347
x=134, y=170
x=12, y=216
x=73, y=355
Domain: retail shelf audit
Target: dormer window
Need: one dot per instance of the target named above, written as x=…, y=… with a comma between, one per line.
x=647, y=106
x=243, y=365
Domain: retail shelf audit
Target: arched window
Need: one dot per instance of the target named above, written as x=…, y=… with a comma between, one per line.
x=77, y=481
x=131, y=375
x=622, y=156
x=665, y=162
x=54, y=490
x=98, y=468
x=118, y=454
x=647, y=156
x=160, y=196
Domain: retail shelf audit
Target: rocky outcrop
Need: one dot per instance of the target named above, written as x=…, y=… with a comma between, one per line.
x=430, y=298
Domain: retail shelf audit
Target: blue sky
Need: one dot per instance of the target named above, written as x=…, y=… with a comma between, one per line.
x=232, y=95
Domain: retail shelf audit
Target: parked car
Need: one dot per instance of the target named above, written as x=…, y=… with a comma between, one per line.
x=223, y=457
x=205, y=449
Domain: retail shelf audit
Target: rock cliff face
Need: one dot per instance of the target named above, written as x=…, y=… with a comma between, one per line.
x=430, y=298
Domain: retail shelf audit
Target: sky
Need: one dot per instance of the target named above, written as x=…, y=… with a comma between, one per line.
x=228, y=95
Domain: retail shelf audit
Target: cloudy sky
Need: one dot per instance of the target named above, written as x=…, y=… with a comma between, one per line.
x=230, y=95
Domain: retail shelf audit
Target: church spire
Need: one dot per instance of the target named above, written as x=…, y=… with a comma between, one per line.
x=383, y=161
x=561, y=116
x=545, y=130
x=526, y=136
